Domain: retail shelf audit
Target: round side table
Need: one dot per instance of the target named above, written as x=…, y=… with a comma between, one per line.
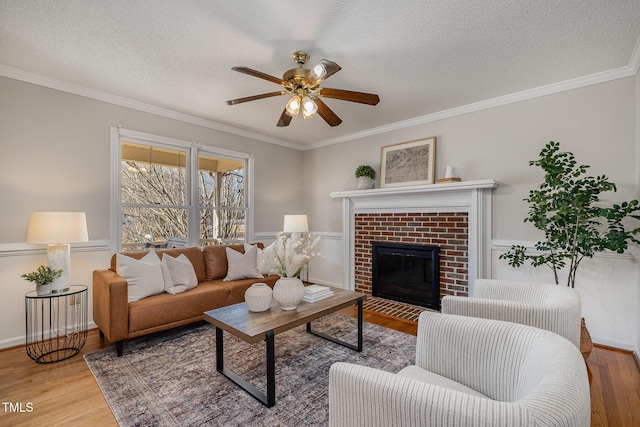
x=56, y=324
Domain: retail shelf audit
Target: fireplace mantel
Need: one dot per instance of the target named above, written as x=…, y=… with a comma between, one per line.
x=473, y=197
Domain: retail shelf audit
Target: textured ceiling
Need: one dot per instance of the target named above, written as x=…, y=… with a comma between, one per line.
x=420, y=57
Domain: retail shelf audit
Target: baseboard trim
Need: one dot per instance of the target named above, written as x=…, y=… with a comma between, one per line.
x=20, y=341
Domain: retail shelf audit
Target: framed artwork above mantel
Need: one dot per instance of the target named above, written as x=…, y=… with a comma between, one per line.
x=408, y=163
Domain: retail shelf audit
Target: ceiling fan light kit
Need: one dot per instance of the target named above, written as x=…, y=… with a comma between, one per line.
x=303, y=84
x=309, y=108
x=293, y=106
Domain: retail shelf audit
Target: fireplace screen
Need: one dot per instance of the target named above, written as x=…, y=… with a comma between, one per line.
x=406, y=273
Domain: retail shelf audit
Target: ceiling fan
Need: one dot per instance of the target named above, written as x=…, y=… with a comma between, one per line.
x=303, y=86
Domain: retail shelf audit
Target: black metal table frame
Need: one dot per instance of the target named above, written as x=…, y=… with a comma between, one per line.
x=47, y=329
x=269, y=398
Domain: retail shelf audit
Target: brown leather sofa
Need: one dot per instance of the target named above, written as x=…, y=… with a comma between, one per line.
x=119, y=320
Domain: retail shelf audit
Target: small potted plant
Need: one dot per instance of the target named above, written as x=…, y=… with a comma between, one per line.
x=365, y=176
x=43, y=277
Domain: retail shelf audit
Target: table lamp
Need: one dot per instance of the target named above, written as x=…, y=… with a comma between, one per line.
x=57, y=230
x=295, y=224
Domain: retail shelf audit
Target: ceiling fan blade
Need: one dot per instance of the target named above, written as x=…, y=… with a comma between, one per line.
x=348, y=95
x=325, y=112
x=285, y=119
x=321, y=72
x=254, y=97
x=261, y=75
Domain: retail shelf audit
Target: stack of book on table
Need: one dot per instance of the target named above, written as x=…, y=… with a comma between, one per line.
x=315, y=293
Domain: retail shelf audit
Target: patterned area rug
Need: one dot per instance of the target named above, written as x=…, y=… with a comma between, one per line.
x=169, y=378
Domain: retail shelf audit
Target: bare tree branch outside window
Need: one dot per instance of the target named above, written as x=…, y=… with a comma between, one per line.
x=154, y=199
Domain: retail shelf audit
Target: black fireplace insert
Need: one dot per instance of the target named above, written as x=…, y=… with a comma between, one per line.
x=407, y=273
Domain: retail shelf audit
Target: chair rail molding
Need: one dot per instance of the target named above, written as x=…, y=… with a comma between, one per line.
x=17, y=249
x=472, y=197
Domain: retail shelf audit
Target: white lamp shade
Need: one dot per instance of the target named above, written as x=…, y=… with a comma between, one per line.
x=295, y=224
x=57, y=227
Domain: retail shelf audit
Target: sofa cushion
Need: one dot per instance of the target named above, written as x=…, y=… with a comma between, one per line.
x=165, y=309
x=419, y=374
x=179, y=275
x=144, y=276
x=242, y=265
x=215, y=260
x=237, y=288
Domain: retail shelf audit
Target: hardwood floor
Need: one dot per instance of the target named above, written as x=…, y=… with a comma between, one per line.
x=61, y=393
x=65, y=393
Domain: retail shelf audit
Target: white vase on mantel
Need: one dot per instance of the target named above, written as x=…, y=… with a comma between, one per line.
x=288, y=292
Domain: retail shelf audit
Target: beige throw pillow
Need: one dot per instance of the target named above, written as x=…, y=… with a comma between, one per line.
x=265, y=258
x=179, y=274
x=144, y=276
x=242, y=266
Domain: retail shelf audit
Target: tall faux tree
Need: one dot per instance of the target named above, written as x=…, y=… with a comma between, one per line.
x=568, y=209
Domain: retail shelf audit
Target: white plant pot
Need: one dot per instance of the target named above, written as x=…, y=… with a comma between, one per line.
x=43, y=289
x=365, y=183
x=258, y=297
x=288, y=292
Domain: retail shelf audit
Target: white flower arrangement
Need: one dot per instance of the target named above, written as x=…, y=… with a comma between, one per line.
x=290, y=256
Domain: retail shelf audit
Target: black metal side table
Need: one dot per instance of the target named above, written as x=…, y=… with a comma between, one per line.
x=56, y=324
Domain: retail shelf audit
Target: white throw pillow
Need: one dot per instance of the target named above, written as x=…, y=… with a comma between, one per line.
x=166, y=274
x=179, y=275
x=265, y=258
x=242, y=266
x=143, y=276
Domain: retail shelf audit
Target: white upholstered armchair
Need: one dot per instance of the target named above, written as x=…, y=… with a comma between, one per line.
x=555, y=308
x=468, y=372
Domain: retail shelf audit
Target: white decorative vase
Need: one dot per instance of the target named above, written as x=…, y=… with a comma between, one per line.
x=258, y=297
x=43, y=289
x=288, y=292
x=365, y=183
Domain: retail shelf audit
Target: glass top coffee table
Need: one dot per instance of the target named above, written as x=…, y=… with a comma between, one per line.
x=253, y=327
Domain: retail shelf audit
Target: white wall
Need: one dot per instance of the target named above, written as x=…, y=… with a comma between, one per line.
x=55, y=156
x=596, y=123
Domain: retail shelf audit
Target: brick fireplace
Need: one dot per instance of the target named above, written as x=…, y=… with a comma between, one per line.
x=454, y=216
x=448, y=230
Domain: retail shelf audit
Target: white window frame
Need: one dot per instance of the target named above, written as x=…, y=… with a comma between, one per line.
x=193, y=149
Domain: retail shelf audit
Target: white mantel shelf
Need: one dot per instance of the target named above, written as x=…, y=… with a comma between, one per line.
x=473, y=197
x=418, y=189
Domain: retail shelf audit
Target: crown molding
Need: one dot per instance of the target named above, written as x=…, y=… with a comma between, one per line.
x=25, y=76
x=602, y=77
x=618, y=73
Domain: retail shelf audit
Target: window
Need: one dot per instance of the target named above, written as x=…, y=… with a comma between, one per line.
x=221, y=200
x=155, y=183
